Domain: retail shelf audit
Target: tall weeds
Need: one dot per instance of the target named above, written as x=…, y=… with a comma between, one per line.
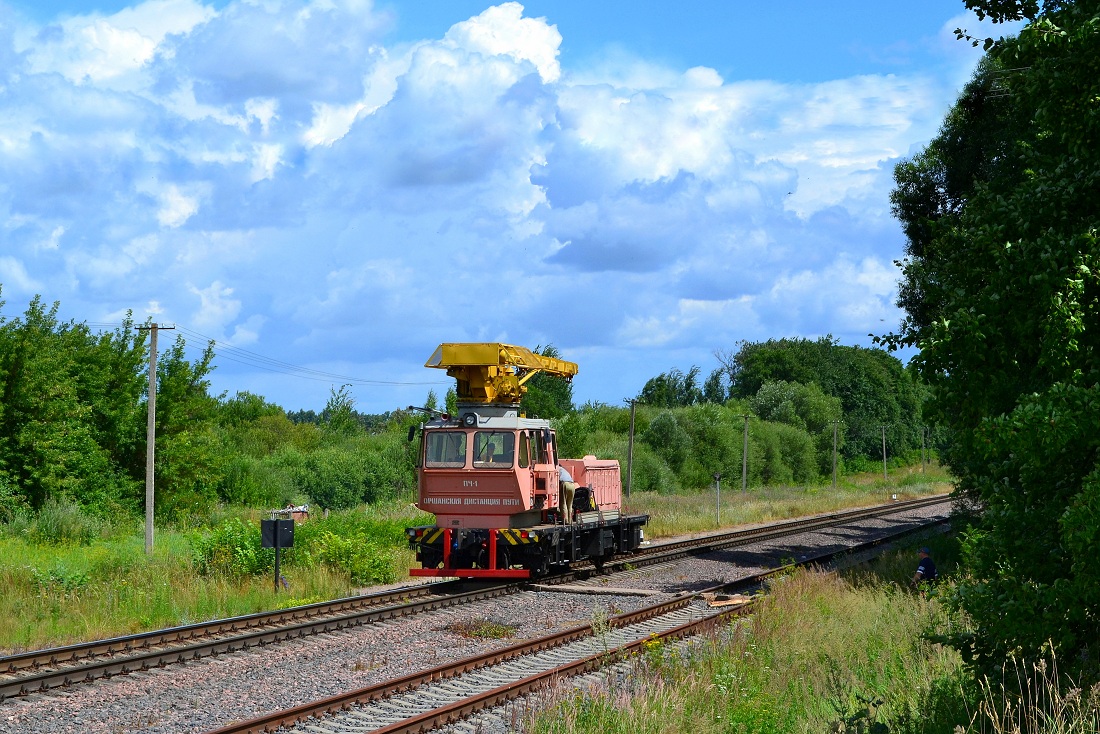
x=1033, y=699
x=820, y=655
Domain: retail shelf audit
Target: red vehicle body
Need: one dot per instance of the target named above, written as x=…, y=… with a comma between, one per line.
x=490, y=476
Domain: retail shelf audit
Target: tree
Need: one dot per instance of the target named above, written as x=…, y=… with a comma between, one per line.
x=548, y=396
x=190, y=457
x=979, y=144
x=244, y=408
x=672, y=389
x=668, y=440
x=1002, y=292
x=873, y=387
x=68, y=423
x=716, y=388
x=339, y=416
x=802, y=406
x=431, y=402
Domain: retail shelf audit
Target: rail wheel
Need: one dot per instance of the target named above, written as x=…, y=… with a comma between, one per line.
x=504, y=559
x=540, y=567
x=431, y=558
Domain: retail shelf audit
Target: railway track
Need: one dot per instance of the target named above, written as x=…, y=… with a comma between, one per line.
x=670, y=551
x=433, y=698
x=43, y=670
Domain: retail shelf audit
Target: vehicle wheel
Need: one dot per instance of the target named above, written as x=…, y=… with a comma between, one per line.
x=540, y=567
x=431, y=559
x=503, y=558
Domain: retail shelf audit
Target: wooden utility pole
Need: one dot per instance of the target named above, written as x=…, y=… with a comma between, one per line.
x=150, y=434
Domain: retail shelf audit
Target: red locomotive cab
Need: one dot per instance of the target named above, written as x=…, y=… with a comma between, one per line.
x=496, y=475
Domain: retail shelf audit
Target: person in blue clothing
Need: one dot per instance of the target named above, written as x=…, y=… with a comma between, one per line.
x=926, y=569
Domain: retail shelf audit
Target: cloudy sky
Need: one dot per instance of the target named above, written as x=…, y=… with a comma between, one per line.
x=330, y=188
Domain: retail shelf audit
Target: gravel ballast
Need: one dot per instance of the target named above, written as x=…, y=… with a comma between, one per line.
x=212, y=692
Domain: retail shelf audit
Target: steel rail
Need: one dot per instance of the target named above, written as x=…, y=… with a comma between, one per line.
x=437, y=717
x=719, y=541
x=144, y=660
x=232, y=625
x=88, y=661
x=343, y=701
x=459, y=710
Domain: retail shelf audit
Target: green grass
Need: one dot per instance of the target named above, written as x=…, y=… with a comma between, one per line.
x=483, y=628
x=694, y=512
x=55, y=594
x=823, y=654
x=65, y=577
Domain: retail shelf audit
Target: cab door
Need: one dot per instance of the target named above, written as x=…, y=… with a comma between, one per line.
x=544, y=469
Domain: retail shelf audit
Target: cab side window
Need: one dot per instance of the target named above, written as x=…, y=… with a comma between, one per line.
x=538, y=447
x=524, y=450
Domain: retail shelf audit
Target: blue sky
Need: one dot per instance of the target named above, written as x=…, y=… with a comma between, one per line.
x=331, y=188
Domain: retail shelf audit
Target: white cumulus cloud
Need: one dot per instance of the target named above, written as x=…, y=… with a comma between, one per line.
x=280, y=173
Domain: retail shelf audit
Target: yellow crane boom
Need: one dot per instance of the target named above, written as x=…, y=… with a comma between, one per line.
x=494, y=373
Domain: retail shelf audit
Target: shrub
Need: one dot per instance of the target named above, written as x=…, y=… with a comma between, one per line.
x=796, y=449
x=363, y=560
x=861, y=464
x=668, y=439
x=63, y=521
x=232, y=549
x=190, y=469
x=331, y=477
x=257, y=483
x=716, y=435
x=59, y=578
x=388, y=466
x=13, y=504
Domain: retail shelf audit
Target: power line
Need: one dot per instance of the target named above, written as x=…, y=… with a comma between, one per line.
x=225, y=350
x=253, y=359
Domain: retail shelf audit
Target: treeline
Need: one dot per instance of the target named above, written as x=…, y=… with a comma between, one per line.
x=795, y=392
x=73, y=425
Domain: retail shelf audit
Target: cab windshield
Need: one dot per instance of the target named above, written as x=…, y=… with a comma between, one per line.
x=445, y=449
x=494, y=449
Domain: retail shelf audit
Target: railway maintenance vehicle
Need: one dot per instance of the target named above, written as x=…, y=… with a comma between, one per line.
x=490, y=476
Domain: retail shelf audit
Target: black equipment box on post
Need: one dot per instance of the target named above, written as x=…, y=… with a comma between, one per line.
x=285, y=529
x=277, y=534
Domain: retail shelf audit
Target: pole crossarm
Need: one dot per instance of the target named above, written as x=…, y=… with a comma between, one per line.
x=489, y=372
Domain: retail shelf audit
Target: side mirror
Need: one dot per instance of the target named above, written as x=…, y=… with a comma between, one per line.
x=412, y=433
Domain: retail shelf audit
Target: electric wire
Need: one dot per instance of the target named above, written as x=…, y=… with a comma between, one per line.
x=225, y=350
